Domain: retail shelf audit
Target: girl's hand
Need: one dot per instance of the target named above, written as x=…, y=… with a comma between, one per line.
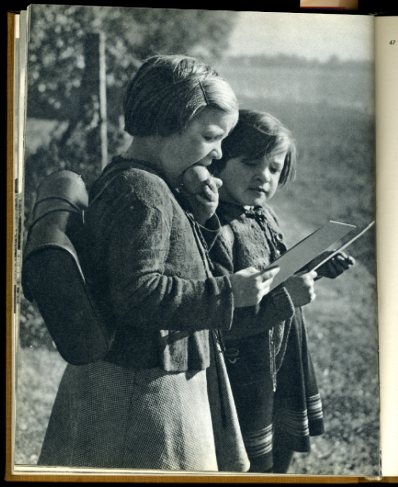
x=335, y=266
x=201, y=190
x=301, y=288
x=250, y=285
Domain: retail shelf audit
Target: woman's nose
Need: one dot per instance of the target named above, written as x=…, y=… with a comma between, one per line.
x=217, y=151
x=263, y=174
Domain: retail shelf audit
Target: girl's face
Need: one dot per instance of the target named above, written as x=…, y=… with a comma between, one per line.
x=252, y=182
x=198, y=144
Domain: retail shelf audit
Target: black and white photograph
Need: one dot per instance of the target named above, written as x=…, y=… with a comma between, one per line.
x=196, y=273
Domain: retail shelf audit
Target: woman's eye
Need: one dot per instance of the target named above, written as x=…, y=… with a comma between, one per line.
x=275, y=169
x=214, y=137
x=249, y=162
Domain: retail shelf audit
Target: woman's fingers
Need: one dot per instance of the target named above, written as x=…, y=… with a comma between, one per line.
x=338, y=264
x=307, y=275
x=302, y=288
x=267, y=278
x=346, y=260
x=217, y=182
x=205, y=201
x=268, y=273
x=210, y=188
x=312, y=275
x=250, y=285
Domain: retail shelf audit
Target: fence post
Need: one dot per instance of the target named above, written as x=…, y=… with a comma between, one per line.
x=94, y=86
x=102, y=98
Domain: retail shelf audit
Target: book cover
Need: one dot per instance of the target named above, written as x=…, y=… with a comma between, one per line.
x=316, y=73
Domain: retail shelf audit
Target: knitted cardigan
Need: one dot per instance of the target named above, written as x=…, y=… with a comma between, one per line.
x=149, y=272
x=252, y=238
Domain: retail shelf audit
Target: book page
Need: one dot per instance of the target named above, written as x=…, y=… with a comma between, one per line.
x=315, y=73
x=387, y=233
x=20, y=97
x=299, y=255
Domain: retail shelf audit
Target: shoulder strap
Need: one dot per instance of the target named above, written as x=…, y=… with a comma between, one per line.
x=115, y=171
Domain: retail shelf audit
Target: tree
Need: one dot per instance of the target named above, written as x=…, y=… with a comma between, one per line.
x=56, y=61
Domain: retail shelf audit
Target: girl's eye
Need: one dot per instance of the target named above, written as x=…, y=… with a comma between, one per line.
x=249, y=162
x=275, y=169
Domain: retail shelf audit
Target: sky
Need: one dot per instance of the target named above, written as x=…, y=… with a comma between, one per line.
x=313, y=36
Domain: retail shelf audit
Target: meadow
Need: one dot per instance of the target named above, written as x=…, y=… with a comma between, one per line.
x=335, y=180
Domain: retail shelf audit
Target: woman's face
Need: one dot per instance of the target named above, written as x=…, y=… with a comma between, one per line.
x=251, y=182
x=198, y=144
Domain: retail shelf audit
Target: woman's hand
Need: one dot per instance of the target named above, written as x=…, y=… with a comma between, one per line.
x=301, y=288
x=201, y=190
x=334, y=266
x=250, y=285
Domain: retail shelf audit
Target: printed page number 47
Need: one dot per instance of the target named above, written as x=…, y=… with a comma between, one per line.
x=392, y=42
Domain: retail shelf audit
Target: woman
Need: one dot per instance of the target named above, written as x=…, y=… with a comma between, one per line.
x=161, y=398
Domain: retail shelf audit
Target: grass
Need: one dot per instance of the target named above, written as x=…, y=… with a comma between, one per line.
x=342, y=335
x=39, y=373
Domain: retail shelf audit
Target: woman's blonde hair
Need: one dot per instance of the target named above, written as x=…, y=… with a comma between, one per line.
x=169, y=90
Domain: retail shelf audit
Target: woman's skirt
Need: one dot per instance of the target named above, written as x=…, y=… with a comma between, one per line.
x=107, y=416
x=286, y=413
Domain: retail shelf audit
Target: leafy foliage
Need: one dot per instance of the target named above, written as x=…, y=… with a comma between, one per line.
x=56, y=47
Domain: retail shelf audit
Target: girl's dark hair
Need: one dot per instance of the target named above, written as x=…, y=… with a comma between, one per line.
x=168, y=91
x=255, y=135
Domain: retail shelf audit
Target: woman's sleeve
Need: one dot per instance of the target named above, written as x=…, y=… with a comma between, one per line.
x=140, y=292
x=275, y=307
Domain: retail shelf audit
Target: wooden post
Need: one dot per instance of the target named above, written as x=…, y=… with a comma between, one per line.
x=102, y=98
x=94, y=89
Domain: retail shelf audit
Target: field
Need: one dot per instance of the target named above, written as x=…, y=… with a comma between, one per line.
x=335, y=180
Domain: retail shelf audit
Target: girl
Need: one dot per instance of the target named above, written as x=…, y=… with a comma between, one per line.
x=160, y=399
x=266, y=352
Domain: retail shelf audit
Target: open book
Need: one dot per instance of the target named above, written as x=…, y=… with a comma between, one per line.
x=332, y=79
x=302, y=254
x=311, y=252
